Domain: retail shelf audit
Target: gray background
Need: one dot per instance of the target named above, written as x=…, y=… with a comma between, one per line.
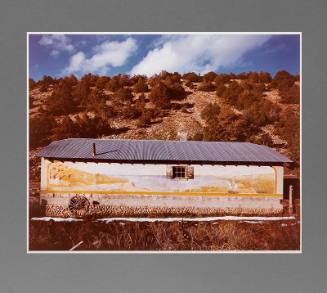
x=20, y=272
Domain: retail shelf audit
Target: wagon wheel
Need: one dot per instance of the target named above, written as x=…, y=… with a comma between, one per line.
x=78, y=205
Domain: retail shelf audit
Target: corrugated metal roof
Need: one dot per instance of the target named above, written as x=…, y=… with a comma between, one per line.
x=163, y=151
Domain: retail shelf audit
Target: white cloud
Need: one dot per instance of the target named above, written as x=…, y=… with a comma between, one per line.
x=106, y=55
x=54, y=53
x=75, y=62
x=199, y=53
x=57, y=44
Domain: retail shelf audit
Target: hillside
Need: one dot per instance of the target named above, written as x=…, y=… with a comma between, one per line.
x=250, y=106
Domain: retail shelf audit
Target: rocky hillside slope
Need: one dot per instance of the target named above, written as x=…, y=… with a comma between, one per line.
x=246, y=107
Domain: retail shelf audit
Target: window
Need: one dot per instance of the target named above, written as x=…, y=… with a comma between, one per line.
x=179, y=172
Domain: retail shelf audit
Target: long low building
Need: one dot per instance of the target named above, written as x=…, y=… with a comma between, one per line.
x=107, y=177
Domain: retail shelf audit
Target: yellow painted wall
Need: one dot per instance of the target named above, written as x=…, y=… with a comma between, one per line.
x=150, y=179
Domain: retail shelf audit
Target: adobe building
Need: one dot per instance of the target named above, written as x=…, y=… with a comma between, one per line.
x=106, y=177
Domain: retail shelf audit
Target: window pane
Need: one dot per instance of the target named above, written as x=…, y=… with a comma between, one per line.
x=179, y=172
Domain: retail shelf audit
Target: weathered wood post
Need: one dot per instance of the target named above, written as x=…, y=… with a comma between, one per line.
x=290, y=200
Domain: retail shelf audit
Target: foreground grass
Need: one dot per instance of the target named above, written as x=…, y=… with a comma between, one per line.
x=122, y=235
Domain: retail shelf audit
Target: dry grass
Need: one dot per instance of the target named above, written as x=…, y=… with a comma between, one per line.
x=123, y=235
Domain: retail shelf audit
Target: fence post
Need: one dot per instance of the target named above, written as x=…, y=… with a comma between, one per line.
x=290, y=200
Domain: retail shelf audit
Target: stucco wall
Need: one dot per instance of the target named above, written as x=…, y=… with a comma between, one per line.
x=70, y=176
x=146, y=186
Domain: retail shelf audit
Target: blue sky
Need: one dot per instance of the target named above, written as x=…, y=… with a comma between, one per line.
x=59, y=54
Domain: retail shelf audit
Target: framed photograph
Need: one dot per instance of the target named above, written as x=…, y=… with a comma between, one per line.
x=164, y=142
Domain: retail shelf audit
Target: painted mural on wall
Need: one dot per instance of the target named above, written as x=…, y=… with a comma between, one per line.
x=156, y=179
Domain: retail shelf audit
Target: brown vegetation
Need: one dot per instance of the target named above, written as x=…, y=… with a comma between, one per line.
x=123, y=235
x=140, y=107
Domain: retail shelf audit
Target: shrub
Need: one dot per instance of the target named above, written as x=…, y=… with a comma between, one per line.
x=288, y=127
x=113, y=84
x=206, y=86
x=210, y=76
x=222, y=78
x=40, y=130
x=220, y=123
x=220, y=90
x=176, y=91
x=253, y=77
x=264, y=77
x=176, y=77
x=31, y=84
x=283, y=80
x=190, y=84
x=255, y=88
x=90, y=79
x=31, y=100
x=220, y=132
x=242, y=75
x=141, y=100
x=124, y=94
x=170, y=78
x=227, y=114
x=262, y=113
x=125, y=80
x=84, y=126
x=145, y=118
x=291, y=96
x=245, y=129
x=282, y=75
x=135, y=78
x=45, y=82
x=197, y=137
x=96, y=101
x=159, y=96
x=141, y=86
x=255, y=116
x=192, y=76
x=71, y=80
x=66, y=129
x=232, y=92
x=258, y=89
x=210, y=113
x=101, y=82
x=131, y=112
x=61, y=100
x=265, y=139
x=245, y=100
x=154, y=80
